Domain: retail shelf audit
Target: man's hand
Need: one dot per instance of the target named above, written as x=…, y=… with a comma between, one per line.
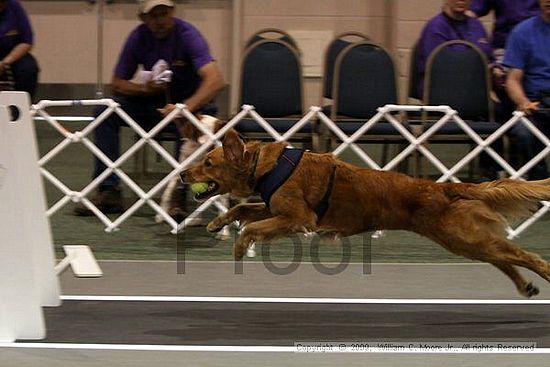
x=152, y=88
x=529, y=107
x=167, y=109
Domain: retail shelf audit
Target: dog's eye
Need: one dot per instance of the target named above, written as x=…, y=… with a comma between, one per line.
x=208, y=163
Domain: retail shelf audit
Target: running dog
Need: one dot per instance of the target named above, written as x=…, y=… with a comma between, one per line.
x=174, y=196
x=310, y=192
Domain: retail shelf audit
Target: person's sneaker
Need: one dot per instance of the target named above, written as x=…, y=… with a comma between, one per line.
x=107, y=199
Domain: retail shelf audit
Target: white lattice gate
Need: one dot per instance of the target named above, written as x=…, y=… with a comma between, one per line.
x=384, y=114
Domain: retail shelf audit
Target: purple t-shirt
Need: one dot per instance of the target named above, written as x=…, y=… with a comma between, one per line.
x=508, y=13
x=185, y=50
x=15, y=27
x=443, y=28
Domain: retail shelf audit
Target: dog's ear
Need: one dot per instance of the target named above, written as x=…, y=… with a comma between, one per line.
x=233, y=147
x=218, y=125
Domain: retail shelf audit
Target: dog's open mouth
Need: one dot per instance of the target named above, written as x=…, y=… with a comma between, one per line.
x=211, y=190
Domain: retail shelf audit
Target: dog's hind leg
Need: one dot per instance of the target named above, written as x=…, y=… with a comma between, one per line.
x=506, y=252
x=476, y=232
x=502, y=254
x=244, y=213
x=524, y=287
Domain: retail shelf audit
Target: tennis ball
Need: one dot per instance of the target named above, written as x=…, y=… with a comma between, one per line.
x=199, y=187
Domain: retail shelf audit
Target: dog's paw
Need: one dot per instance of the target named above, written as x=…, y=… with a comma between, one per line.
x=215, y=225
x=530, y=290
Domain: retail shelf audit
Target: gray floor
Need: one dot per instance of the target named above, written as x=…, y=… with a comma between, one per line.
x=95, y=358
x=453, y=281
x=253, y=279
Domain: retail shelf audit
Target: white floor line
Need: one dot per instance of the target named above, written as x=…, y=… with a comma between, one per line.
x=254, y=262
x=245, y=349
x=427, y=301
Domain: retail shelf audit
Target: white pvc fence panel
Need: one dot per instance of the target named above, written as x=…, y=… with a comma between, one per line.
x=384, y=114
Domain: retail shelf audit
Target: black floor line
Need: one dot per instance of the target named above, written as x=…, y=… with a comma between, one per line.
x=283, y=324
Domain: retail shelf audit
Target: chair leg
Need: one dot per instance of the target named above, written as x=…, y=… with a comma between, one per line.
x=404, y=164
x=384, y=159
x=472, y=165
x=417, y=159
x=316, y=142
x=139, y=158
x=157, y=156
x=423, y=165
x=144, y=161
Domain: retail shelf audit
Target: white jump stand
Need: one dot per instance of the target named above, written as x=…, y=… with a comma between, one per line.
x=28, y=278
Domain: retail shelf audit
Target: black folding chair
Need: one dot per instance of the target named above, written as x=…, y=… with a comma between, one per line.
x=271, y=81
x=271, y=34
x=457, y=75
x=335, y=47
x=364, y=80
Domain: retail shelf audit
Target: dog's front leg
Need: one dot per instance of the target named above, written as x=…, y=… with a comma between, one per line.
x=244, y=213
x=267, y=229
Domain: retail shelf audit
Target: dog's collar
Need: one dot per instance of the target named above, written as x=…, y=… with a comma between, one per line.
x=270, y=182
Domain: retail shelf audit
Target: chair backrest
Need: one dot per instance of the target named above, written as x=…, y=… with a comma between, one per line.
x=414, y=75
x=271, y=34
x=457, y=74
x=271, y=79
x=364, y=79
x=334, y=48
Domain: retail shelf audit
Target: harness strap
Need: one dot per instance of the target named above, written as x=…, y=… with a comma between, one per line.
x=270, y=182
x=322, y=208
x=251, y=181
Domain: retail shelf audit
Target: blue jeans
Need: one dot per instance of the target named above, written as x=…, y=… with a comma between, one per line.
x=107, y=134
x=525, y=145
x=25, y=74
x=144, y=112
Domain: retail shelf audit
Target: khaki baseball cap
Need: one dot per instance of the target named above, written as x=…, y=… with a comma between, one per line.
x=145, y=6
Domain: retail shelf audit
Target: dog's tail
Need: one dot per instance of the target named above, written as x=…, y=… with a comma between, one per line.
x=511, y=198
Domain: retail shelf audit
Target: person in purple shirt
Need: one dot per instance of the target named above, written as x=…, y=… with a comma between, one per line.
x=16, y=40
x=196, y=81
x=528, y=84
x=507, y=14
x=451, y=24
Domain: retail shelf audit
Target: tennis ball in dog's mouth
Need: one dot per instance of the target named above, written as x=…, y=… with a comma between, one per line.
x=199, y=187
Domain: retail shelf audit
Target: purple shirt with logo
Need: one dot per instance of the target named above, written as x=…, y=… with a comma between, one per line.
x=15, y=27
x=443, y=28
x=185, y=50
x=508, y=13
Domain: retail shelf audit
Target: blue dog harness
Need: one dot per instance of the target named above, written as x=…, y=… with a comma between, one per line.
x=272, y=180
x=287, y=162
